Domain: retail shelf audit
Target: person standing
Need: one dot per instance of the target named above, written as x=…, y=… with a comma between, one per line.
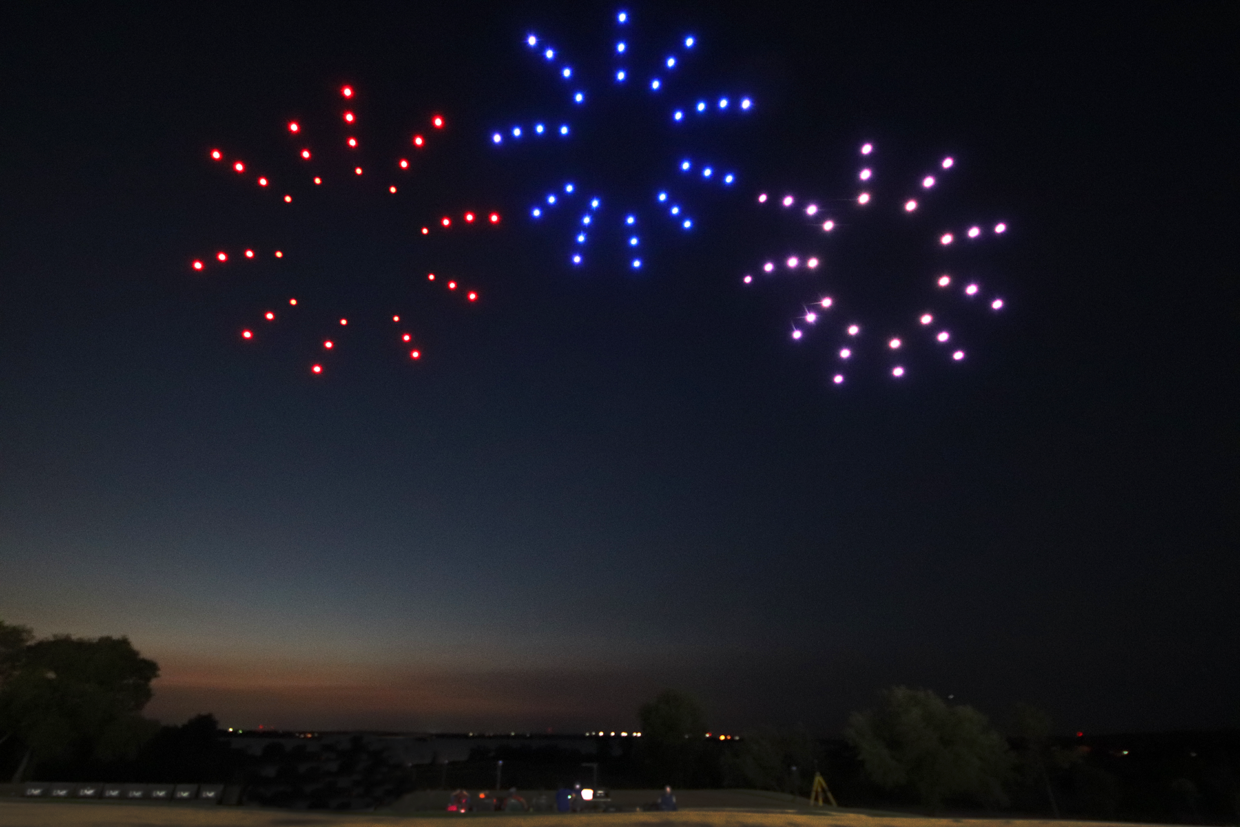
x=667, y=801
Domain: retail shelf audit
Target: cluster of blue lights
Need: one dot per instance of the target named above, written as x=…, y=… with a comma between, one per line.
x=538, y=129
x=623, y=74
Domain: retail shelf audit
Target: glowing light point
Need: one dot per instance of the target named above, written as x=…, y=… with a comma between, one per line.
x=723, y=103
x=328, y=345
x=249, y=254
x=222, y=256
x=729, y=178
x=958, y=355
x=828, y=226
x=437, y=122
x=974, y=232
x=318, y=180
x=946, y=239
x=239, y=167
x=689, y=41
x=288, y=199
x=396, y=318
x=971, y=290
x=897, y=371
x=811, y=317
x=198, y=265
x=352, y=142
x=927, y=182
x=944, y=281
x=684, y=165
x=1000, y=228
x=246, y=334
x=451, y=285
x=494, y=218
x=825, y=302
x=687, y=224
x=447, y=222
x=564, y=129
x=866, y=149
x=426, y=231
x=768, y=267
x=317, y=369
x=347, y=91
x=812, y=209
x=894, y=344
x=418, y=140
x=637, y=263
x=279, y=254
x=537, y=213
x=792, y=262
x=845, y=353
x=865, y=175
x=853, y=330
x=620, y=47
x=788, y=199
x=292, y=302
x=550, y=199
x=623, y=17
x=675, y=210
x=348, y=117
x=630, y=219
x=621, y=75
x=469, y=217
x=404, y=163
x=269, y=316
x=293, y=127
x=943, y=336
x=406, y=337
x=568, y=188
x=671, y=63
x=549, y=54
x=863, y=198
x=531, y=40
x=344, y=322
x=654, y=84
x=839, y=379
x=947, y=162
x=811, y=263
x=796, y=334
x=415, y=354
x=216, y=154
x=497, y=138
x=748, y=279
x=997, y=304
x=577, y=259
x=473, y=296
x=707, y=172
x=581, y=239
x=539, y=128
x=701, y=107
x=357, y=170
x=633, y=241
x=579, y=97
x=516, y=132
x=567, y=72
x=746, y=103
x=762, y=198
x=926, y=318
x=663, y=196
x=305, y=153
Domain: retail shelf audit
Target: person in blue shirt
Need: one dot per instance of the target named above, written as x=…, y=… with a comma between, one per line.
x=564, y=800
x=667, y=801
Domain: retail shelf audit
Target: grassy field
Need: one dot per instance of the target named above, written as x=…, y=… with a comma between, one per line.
x=18, y=813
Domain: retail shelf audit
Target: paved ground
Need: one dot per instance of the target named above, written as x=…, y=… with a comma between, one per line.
x=18, y=813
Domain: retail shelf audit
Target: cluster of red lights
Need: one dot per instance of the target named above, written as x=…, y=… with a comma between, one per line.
x=222, y=257
x=469, y=217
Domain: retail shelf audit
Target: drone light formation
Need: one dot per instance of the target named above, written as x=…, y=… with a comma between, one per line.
x=904, y=339
x=325, y=153
x=595, y=213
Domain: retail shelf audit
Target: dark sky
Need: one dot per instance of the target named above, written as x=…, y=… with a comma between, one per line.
x=598, y=484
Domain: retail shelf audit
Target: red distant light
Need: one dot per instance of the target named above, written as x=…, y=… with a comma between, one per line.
x=216, y=154
x=279, y=254
x=197, y=265
x=328, y=344
x=447, y=222
x=249, y=254
x=430, y=276
x=392, y=190
x=352, y=142
x=437, y=121
x=357, y=170
x=469, y=217
x=292, y=301
x=396, y=318
x=494, y=218
x=305, y=153
x=415, y=354
x=417, y=140
x=245, y=334
x=316, y=369
x=344, y=321
x=222, y=256
x=288, y=199
x=318, y=180
x=473, y=297
x=426, y=231
x=293, y=127
x=1080, y=735
x=348, y=117
x=269, y=316
x=404, y=164
x=347, y=91
x=240, y=167
x=262, y=182
x=406, y=337
x=451, y=285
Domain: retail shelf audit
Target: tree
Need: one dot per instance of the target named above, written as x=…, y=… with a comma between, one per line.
x=913, y=738
x=771, y=759
x=1037, y=757
x=71, y=699
x=673, y=730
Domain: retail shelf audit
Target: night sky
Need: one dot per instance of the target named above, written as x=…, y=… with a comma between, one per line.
x=598, y=483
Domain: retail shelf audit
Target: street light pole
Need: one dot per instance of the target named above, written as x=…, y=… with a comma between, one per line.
x=499, y=768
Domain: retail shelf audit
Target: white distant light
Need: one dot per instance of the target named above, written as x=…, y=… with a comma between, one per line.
x=894, y=344
x=579, y=97
x=678, y=115
x=845, y=353
x=943, y=336
x=707, y=172
x=812, y=209
x=531, y=40
x=497, y=138
x=689, y=41
x=762, y=198
x=863, y=198
x=946, y=239
x=729, y=178
x=947, y=162
x=944, y=281
x=828, y=226
x=516, y=132
x=1000, y=228
x=926, y=318
x=684, y=165
x=997, y=304
x=564, y=130
x=974, y=232
x=746, y=103
x=839, y=379
x=568, y=188
x=675, y=210
x=620, y=76
x=537, y=212
x=865, y=175
x=567, y=72
x=549, y=54
x=620, y=47
x=792, y=262
x=768, y=267
x=723, y=103
x=853, y=330
x=866, y=149
x=811, y=263
x=910, y=205
x=958, y=355
x=748, y=279
x=654, y=84
x=671, y=63
x=897, y=371
x=796, y=334
x=623, y=17
x=811, y=317
x=825, y=302
x=788, y=200
x=971, y=290
x=927, y=182
x=539, y=128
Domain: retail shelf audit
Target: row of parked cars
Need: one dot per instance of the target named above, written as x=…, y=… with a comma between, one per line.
x=207, y=793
